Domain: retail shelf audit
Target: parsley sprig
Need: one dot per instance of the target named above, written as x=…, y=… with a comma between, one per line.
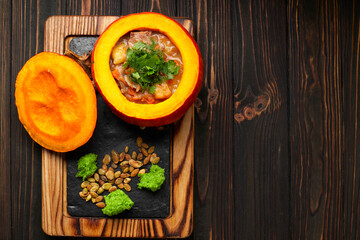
x=148, y=66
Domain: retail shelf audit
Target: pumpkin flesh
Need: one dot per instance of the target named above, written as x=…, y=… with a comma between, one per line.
x=148, y=114
x=56, y=102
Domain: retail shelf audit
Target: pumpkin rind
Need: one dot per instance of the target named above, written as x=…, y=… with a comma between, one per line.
x=56, y=102
x=161, y=113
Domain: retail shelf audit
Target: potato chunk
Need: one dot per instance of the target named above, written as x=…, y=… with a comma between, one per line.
x=118, y=54
x=162, y=91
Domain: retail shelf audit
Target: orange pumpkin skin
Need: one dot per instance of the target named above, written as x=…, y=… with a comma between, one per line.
x=148, y=115
x=56, y=102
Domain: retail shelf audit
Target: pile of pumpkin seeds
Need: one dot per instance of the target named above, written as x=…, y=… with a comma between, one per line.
x=108, y=178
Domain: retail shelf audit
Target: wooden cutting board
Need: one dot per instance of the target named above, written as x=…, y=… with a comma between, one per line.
x=56, y=220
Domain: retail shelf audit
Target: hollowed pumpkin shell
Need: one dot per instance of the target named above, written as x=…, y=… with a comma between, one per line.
x=56, y=102
x=148, y=114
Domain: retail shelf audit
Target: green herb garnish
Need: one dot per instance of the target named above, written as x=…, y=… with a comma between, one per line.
x=87, y=165
x=148, y=65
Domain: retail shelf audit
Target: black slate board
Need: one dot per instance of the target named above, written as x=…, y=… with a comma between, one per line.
x=113, y=133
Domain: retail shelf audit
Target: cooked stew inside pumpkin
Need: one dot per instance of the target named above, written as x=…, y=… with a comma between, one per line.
x=147, y=66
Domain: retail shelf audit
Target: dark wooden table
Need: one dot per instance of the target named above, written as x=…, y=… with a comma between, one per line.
x=276, y=132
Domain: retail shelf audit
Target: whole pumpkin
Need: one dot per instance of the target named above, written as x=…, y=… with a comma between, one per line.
x=147, y=115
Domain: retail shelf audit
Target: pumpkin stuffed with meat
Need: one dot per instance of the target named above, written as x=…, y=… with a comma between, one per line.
x=56, y=102
x=147, y=68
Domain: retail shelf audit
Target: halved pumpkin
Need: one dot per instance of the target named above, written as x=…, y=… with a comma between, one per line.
x=162, y=113
x=56, y=102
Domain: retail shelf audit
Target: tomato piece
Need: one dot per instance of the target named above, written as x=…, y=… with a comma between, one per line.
x=116, y=74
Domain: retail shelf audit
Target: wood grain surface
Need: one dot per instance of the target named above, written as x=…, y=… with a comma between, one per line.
x=5, y=119
x=276, y=122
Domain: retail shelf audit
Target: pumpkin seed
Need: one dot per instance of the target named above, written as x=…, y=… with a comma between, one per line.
x=143, y=150
x=131, y=169
x=84, y=195
x=134, y=173
x=100, y=204
x=127, y=180
x=126, y=169
x=110, y=175
x=126, y=149
x=151, y=149
x=97, y=177
x=85, y=191
x=113, y=188
x=127, y=157
x=134, y=155
x=139, y=156
x=106, y=159
x=124, y=163
x=113, y=165
x=155, y=160
x=89, y=187
x=142, y=171
x=127, y=187
x=91, y=179
x=115, y=156
x=88, y=198
x=139, y=141
x=100, y=190
x=118, y=181
x=81, y=194
x=94, y=194
x=124, y=175
x=135, y=164
x=93, y=200
x=101, y=182
x=145, y=145
x=94, y=189
x=104, y=167
x=84, y=184
x=147, y=160
x=104, y=178
x=110, y=169
x=111, y=181
x=99, y=199
x=106, y=186
x=101, y=171
x=117, y=174
x=122, y=156
x=121, y=186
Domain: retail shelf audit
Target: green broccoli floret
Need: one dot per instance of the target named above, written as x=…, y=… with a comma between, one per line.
x=153, y=179
x=117, y=202
x=87, y=165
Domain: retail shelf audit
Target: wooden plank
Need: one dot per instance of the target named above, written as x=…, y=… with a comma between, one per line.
x=94, y=7
x=214, y=187
x=261, y=163
x=27, y=21
x=5, y=140
x=317, y=121
x=119, y=8
x=350, y=65
x=56, y=220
